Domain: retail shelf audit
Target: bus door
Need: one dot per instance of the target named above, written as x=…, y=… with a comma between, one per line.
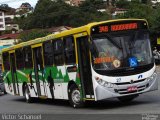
x=13, y=73
x=84, y=66
x=39, y=70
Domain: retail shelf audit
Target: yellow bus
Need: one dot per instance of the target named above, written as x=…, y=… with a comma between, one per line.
x=101, y=60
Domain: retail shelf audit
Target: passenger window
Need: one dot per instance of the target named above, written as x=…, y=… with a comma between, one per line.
x=48, y=53
x=6, y=62
x=19, y=59
x=69, y=50
x=28, y=57
x=58, y=52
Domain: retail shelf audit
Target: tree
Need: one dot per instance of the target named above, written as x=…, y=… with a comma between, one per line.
x=4, y=6
x=58, y=13
x=92, y=5
x=122, y=4
x=30, y=35
x=146, y=1
x=136, y=10
x=155, y=23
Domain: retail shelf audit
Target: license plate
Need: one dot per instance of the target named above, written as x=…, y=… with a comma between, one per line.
x=132, y=89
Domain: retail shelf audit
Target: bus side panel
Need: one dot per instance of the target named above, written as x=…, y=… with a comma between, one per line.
x=65, y=77
x=32, y=84
x=7, y=77
x=48, y=76
x=60, y=72
x=57, y=79
x=21, y=78
x=54, y=77
x=70, y=76
x=24, y=76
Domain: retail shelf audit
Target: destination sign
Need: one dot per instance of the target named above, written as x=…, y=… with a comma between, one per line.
x=119, y=26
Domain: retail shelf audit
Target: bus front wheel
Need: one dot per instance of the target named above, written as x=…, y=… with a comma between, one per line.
x=75, y=97
x=27, y=95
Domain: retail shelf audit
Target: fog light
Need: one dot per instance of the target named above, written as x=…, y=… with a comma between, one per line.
x=116, y=90
x=147, y=85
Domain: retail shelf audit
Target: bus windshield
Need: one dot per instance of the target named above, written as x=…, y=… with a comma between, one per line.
x=124, y=49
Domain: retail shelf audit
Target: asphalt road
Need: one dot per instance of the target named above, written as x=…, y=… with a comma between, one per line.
x=145, y=103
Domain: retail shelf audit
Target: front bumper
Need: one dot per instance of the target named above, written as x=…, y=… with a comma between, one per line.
x=120, y=90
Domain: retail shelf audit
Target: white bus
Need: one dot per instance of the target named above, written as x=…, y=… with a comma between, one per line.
x=101, y=60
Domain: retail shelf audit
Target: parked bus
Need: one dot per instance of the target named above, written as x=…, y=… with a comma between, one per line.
x=108, y=59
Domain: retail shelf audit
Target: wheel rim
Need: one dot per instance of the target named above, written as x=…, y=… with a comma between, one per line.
x=76, y=96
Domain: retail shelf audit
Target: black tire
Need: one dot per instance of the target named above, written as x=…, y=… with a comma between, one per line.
x=5, y=91
x=74, y=97
x=27, y=94
x=127, y=99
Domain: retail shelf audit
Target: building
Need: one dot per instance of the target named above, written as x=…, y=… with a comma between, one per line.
x=8, y=40
x=76, y=2
x=101, y=10
x=26, y=7
x=68, y=2
x=7, y=20
x=155, y=1
x=2, y=19
x=10, y=25
x=55, y=30
x=119, y=11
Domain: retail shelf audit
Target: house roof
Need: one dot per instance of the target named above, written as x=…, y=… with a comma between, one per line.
x=121, y=9
x=3, y=10
x=11, y=11
x=9, y=36
x=58, y=29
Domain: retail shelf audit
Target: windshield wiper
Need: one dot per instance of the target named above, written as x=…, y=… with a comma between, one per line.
x=113, y=41
x=133, y=40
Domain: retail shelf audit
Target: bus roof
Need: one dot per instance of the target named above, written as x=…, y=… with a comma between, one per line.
x=64, y=33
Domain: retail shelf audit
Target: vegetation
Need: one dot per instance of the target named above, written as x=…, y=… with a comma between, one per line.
x=5, y=7
x=48, y=13
x=32, y=34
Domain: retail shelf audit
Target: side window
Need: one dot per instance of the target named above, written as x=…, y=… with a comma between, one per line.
x=6, y=62
x=69, y=50
x=19, y=59
x=58, y=52
x=48, y=53
x=28, y=57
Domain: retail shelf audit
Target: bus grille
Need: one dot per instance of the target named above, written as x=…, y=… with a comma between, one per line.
x=125, y=83
x=124, y=91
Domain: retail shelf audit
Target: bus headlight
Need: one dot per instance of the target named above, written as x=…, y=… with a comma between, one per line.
x=104, y=83
x=152, y=77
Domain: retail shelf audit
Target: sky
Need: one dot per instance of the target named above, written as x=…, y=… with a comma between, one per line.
x=17, y=3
